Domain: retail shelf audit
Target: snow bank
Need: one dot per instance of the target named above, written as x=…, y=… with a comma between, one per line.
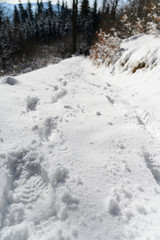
x=137, y=73
x=139, y=52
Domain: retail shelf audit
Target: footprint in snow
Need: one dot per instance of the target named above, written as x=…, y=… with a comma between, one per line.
x=109, y=85
x=98, y=113
x=59, y=95
x=121, y=146
x=113, y=207
x=153, y=165
x=32, y=103
x=49, y=125
x=55, y=88
x=65, y=83
x=110, y=100
x=68, y=107
x=29, y=195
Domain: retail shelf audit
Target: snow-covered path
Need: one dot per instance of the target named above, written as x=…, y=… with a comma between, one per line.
x=77, y=160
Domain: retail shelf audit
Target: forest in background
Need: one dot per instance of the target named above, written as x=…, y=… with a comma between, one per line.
x=32, y=39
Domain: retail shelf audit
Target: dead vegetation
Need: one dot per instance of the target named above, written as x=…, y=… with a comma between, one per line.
x=139, y=66
x=106, y=50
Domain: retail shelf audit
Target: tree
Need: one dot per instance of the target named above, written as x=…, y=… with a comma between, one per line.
x=58, y=7
x=74, y=24
x=95, y=15
x=50, y=9
x=63, y=6
x=16, y=17
x=30, y=12
x=114, y=5
x=1, y=15
x=39, y=8
x=104, y=4
x=85, y=8
x=22, y=12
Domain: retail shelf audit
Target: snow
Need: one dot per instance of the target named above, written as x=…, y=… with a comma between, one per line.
x=113, y=207
x=135, y=53
x=11, y=81
x=79, y=150
x=32, y=103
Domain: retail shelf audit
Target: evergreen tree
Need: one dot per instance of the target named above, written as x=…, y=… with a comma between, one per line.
x=40, y=9
x=65, y=12
x=30, y=12
x=16, y=18
x=63, y=6
x=85, y=8
x=66, y=6
x=41, y=6
x=58, y=7
x=1, y=15
x=22, y=12
x=58, y=18
x=95, y=7
x=114, y=10
x=95, y=15
x=107, y=9
x=104, y=4
x=50, y=9
x=74, y=24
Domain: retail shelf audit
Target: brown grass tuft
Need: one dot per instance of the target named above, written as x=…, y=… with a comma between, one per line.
x=139, y=66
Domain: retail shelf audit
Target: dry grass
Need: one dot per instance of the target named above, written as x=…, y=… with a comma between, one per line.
x=105, y=51
x=139, y=66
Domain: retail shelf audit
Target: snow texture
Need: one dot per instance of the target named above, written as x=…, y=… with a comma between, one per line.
x=79, y=149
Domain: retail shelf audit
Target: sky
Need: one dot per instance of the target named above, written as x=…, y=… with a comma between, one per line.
x=54, y=1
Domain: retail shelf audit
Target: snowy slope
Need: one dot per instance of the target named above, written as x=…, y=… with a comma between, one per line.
x=141, y=53
x=78, y=160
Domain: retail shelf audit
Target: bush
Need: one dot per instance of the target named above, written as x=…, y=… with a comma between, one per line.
x=106, y=50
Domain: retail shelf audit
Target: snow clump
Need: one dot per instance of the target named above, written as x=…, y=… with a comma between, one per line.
x=60, y=175
x=68, y=198
x=11, y=81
